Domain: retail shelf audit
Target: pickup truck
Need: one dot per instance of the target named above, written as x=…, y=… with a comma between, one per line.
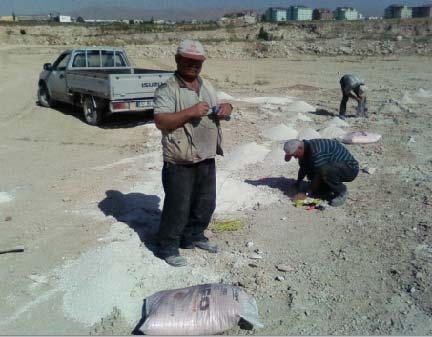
x=100, y=81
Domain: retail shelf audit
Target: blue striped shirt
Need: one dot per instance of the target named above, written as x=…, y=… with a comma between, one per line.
x=319, y=152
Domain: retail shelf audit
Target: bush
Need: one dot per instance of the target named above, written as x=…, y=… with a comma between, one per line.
x=23, y=31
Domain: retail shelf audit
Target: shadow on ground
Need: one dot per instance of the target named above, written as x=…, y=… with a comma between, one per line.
x=322, y=112
x=122, y=120
x=286, y=185
x=139, y=211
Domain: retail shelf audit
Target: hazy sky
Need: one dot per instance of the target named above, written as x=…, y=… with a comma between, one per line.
x=368, y=7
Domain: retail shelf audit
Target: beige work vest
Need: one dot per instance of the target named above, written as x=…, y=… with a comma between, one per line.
x=200, y=138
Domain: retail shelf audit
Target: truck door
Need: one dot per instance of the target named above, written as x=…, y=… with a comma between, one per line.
x=57, y=80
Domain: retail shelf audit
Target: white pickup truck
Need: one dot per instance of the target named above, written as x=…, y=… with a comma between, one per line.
x=100, y=80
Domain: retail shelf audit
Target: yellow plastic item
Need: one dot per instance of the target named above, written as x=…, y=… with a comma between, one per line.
x=226, y=226
x=307, y=202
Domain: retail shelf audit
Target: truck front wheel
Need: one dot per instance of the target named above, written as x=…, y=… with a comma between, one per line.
x=92, y=114
x=44, y=97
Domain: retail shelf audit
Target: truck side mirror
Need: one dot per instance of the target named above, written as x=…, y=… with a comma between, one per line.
x=47, y=66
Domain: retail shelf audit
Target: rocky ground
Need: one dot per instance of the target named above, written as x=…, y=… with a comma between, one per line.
x=85, y=202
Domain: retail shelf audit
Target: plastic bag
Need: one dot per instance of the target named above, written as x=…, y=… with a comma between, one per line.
x=359, y=137
x=199, y=310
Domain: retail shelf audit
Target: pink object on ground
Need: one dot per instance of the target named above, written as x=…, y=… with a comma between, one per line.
x=359, y=137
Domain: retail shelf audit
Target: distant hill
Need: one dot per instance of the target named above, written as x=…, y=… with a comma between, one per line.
x=177, y=14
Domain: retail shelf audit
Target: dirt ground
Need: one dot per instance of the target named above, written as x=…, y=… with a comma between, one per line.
x=85, y=201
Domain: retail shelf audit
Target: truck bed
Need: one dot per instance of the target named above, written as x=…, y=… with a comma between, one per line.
x=116, y=83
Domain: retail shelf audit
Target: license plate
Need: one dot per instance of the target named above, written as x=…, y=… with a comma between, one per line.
x=143, y=104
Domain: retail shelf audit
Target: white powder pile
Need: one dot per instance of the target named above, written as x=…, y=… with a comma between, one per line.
x=223, y=96
x=5, y=197
x=308, y=134
x=267, y=100
x=336, y=121
x=406, y=99
x=243, y=155
x=110, y=276
x=234, y=195
x=423, y=93
x=280, y=132
x=300, y=106
x=331, y=132
x=303, y=118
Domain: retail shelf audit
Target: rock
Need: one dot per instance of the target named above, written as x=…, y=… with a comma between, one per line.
x=8, y=218
x=249, y=244
x=255, y=256
x=369, y=170
x=284, y=268
x=252, y=265
x=280, y=278
x=258, y=251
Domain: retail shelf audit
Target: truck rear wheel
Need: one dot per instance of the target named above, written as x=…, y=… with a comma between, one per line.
x=44, y=97
x=92, y=114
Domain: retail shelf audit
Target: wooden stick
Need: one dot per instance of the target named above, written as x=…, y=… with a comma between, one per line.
x=15, y=250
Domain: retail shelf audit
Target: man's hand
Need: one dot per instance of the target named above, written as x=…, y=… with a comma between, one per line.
x=300, y=196
x=200, y=109
x=225, y=110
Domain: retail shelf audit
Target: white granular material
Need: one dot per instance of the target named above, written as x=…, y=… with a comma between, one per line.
x=267, y=100
x=331, y=132
x=300, y=106
x=110, y=276
x=303, y=118
x=423, y=93
x=243, y=155
x=224, y=96
x=5, y=197
x=406, y=99
x=336, y=121
x=308, y=134
x=234, y=195
x=280, y=132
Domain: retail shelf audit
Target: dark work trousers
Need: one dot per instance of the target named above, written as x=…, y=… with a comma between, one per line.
x=333, y=175
x=344, y=101
x=190, y=200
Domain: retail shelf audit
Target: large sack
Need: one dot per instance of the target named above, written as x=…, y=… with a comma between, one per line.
x=359, y=137
x=199, y=310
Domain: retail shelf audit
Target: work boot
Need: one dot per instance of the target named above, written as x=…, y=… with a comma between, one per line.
x=205, y=245
x=343, y=117
x=339, y=200
x=201, y=244
x=172, y=256
x=176, y=260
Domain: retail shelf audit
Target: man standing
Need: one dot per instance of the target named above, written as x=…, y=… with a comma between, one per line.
x=187, y=113
x=326, y=163
x=352, y=87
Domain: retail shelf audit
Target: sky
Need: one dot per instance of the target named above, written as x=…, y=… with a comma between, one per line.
x=21, y=7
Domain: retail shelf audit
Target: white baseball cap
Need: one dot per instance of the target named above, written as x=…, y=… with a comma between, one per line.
x=191, y=49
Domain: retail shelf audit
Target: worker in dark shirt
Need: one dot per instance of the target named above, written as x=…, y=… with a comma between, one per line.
x=353, y=87
x=327, y=164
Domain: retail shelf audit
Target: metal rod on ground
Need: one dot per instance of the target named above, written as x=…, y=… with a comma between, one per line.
x=15, y=250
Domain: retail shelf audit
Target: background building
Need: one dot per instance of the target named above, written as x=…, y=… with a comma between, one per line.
x=346, y=13
x=276, y=14
x=398, y=12
x=322, y=14
x=299, y=13
x=422, y=11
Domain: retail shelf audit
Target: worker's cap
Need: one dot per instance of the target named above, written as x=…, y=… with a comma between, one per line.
x=191, y=49
x=291, y=146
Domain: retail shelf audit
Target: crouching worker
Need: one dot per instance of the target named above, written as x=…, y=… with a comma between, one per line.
x=327, y=164
x=353, y=87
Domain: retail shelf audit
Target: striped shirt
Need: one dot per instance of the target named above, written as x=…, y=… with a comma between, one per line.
x=319, y=152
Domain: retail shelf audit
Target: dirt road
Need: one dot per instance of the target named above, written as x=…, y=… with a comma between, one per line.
x=85, y=201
